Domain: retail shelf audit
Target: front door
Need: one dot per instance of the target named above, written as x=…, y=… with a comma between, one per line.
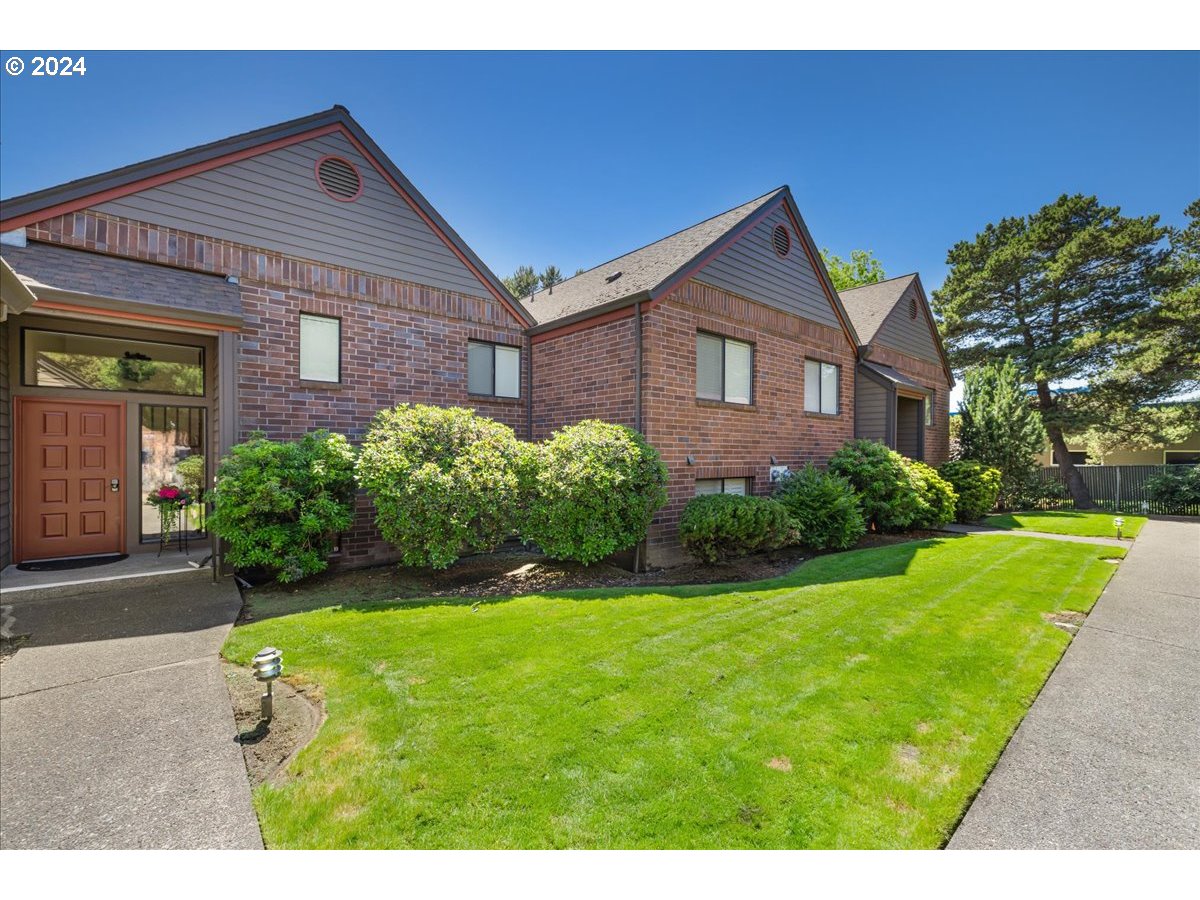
x=69, y=484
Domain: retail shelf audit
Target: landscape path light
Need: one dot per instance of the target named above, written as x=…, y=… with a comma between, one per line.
x=267, y=665
x=1118, y=523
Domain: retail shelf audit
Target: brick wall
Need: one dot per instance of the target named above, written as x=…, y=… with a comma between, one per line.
x=587, y=374
x=730, y=440
x=401, y=342
x=930, y=375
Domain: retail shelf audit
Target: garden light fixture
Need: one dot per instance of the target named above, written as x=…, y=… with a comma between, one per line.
x=267, y=665
x=1118, y=523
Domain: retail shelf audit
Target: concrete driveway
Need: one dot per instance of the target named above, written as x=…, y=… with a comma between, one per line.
x=1107, y=756
x=115, y=724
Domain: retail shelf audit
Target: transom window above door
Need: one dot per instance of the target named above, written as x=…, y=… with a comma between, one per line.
x=60, y=359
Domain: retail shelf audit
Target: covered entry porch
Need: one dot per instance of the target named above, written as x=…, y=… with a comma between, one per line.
x=891, y=408
x=117, y=381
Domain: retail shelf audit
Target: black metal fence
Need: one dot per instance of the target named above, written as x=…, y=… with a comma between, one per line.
x=1117, y=489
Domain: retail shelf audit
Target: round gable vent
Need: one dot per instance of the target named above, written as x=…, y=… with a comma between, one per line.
x=782, y=239
x=339, y=178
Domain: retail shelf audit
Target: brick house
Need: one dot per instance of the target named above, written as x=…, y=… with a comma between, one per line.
x=725, y=344
x=281, y=280
x=902, y=380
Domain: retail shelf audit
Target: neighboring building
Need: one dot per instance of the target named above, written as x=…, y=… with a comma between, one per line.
x=279, y=281
x=902, y=380
x=725, y=344
x=1184, y=453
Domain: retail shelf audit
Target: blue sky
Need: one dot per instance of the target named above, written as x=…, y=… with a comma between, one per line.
x=575, y=158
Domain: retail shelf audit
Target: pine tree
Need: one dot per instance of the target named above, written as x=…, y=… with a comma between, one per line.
x=1001, y=426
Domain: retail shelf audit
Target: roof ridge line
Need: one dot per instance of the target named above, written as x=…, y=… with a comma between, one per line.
x=665, y=237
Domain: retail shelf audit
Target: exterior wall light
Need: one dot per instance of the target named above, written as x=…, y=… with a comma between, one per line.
x=1118, y=523
x=267, y=665
x=691, y=460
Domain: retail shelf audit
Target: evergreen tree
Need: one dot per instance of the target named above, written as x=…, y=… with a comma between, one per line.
x=1000, y=426
x=551, y=276
x=1064, y=293
x=522, y=282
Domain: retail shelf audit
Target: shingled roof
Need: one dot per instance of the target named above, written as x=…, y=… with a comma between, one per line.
x=115, y=278
x=870, y=304
x=643, y=273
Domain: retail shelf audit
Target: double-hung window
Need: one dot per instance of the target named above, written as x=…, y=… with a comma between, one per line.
x=740, y=486
x=724, y=369
x=493, y=370
x=821, y=387
x=320, y=348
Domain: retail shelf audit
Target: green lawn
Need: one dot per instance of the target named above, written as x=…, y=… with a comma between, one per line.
x=1085, y=524
x=858, y=702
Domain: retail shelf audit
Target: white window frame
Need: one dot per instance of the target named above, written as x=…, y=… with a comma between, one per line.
x=821, y=367
x=725, y=342
x=493, y=346
x=725, y=484
x=315, y=317
x=929, y=409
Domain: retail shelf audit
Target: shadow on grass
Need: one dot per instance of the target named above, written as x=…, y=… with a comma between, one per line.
x=851, y=565
x=1010, y=520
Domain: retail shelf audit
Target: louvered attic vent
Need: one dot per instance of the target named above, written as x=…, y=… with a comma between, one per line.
x=782, y=239
x=912, y=307
x=339, y=178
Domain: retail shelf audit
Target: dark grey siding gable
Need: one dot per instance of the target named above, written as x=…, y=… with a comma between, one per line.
x=900, y=331
x=751, y=268
x=871, y=402
x=273, y=201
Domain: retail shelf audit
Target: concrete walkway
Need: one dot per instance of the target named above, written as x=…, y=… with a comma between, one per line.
x=116, y=729
x=956, y=528
x=1109, y=754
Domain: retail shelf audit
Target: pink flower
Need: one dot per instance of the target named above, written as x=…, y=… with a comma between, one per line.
x=168, y=493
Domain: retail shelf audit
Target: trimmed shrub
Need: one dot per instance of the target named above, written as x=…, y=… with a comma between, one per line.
x=823, y=507
x=1176, y=488
x=977, y=487
x=719, y=527
x=886, y=492
x=444, y=481
x=591, y=490
x=280, y=504
x=937, y=496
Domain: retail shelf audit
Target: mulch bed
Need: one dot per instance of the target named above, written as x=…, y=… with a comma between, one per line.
x=297, y=713
x=515, y=571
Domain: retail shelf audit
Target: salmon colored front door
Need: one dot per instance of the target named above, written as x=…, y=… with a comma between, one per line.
x=70, y=457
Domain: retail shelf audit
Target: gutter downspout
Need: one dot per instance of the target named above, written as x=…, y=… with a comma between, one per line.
x=639, y=551
x=529, y=392
x=637, y=367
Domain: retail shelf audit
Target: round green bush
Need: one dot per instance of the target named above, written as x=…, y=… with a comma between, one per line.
x=937, y=496
x=823, y=507
x=977, y=487
x=889, y=498
x=591, y=490
x=1176, y=488
x=444, y=481
x=280, y=504
x=716, y=528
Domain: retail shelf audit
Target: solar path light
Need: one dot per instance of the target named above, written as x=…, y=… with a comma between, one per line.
x=1118, y=523
x=267, y=665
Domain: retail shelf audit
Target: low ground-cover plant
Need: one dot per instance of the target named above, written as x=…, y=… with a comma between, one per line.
x=889, y=498
x=443, y=481
x=823, y=507
x=937, y=496
x=977, y=487
x=280, y=504
x=591, y=490
x=1176, y=488
x=719, y=527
